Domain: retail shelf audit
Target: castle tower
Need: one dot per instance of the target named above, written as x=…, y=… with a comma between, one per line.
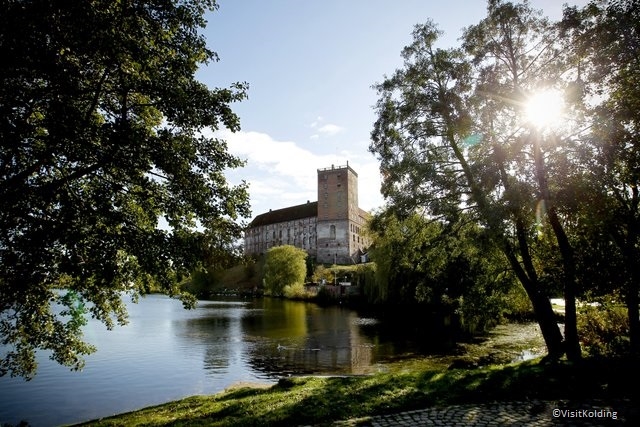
x=338, y=215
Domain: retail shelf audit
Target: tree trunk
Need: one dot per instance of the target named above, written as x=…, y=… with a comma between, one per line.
x=528, y=277
x=542, y=308
x=572, y=344
x=570, y=316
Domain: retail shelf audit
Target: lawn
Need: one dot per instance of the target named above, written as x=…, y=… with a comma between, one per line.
x=313, y=400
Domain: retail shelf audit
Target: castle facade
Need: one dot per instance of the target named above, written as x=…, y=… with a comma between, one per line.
x=330, y=230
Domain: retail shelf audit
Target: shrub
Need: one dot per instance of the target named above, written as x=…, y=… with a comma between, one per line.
x=516, y=303
x=295, y=291
x=604, y=330
x=322, y=272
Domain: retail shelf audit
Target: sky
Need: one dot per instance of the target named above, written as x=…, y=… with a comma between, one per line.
x=310, y=66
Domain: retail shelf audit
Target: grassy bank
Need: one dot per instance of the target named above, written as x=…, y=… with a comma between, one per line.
x=310, y=400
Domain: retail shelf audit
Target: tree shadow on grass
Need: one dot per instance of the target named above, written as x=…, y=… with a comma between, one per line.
x=321, y=401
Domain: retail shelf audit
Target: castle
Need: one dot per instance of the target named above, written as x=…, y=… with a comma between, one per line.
x=329, y=230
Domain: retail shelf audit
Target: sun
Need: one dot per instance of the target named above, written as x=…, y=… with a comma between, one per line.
x=544, y=109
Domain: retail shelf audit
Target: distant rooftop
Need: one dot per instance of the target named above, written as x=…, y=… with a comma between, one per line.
x=307, y=210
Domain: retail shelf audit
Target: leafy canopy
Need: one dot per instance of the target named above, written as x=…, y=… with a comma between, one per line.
x=559, y=198
x=101, y=133
x=453, y=138
x=285, y=269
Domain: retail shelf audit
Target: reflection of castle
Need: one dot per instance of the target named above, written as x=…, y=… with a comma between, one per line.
x=293, y=337
x=330, y=230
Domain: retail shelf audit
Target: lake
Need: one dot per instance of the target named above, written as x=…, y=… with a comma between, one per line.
x=167, y=353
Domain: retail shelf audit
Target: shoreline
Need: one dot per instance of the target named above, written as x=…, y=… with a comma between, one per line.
x=404, y=393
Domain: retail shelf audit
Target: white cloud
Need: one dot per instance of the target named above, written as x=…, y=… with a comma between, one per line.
x=330, y=129
x=282, y=174
x=320, y=128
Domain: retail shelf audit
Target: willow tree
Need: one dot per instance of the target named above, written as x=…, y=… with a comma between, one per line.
x=101, y=122
x=451, y=136
x=447, y=267
x=604, y=37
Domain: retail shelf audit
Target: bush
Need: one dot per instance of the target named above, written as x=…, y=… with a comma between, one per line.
x=284, y=269
x=516, y=304
x=322, y=272
x=295, y=291
x=604, y=330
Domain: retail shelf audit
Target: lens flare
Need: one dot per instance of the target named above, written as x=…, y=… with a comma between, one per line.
x=544, y=109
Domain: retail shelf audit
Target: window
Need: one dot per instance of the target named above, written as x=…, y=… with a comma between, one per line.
x=332, y=232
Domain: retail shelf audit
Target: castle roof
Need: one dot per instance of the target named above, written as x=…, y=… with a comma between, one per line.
x=307, y=210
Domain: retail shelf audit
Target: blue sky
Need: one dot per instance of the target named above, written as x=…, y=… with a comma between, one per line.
x=310, y=66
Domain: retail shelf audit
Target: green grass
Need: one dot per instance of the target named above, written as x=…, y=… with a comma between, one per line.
x=306, y=400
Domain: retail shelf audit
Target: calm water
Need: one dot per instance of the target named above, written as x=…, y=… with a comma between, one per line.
x=166, y=353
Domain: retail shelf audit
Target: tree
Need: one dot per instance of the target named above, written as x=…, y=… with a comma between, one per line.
x=101, y=122
x=605, y=41
x=519, y=63
x=447, y=145
x=446, y=266
x=285, y=269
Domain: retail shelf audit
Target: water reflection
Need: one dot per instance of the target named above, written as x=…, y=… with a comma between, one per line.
x=216, y=333
x=293, y=338
x=166, y=353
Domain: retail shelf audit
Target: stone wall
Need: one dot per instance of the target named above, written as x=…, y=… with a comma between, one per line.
x=300, y=233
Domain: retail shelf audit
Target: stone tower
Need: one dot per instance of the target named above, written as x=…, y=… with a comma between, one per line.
x=338, y=215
